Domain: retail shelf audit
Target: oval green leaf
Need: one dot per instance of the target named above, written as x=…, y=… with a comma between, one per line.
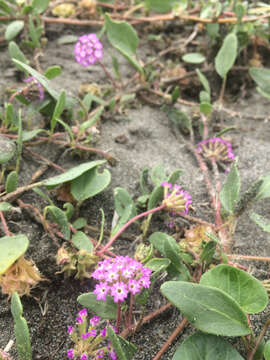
x=123, y=38
x=105, y=309
x=72, y=174
x=266, y=352
x=206, y=347
x=8, y=149
x=230, y=193
x=261, y=77
x=11, y=182
x=11, y=248
x=207, y=309
x=124, y=349
x=90, y=184
x=82, y=242
x=52, y=71
x=13, y=29
x=247, y=291
x=193, y=58
x=226, y=55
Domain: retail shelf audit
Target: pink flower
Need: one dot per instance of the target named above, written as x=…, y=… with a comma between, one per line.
x=88, y=50
x=119, y=291
x=94, y=320
x=134, y=286
x=217, y=148
x=83, y=313
x=70, y=353
x=101, y=290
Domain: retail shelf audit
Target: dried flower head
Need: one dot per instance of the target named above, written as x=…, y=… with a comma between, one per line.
x=21, y=277
x=88, y=50
x=176, y=200
x=34, y=85
x=217, y=148
x=120, y=276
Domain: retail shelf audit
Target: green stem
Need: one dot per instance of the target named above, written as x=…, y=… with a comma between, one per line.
x=119, y=232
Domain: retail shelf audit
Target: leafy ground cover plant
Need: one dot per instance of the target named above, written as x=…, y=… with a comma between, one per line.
x=197, y=262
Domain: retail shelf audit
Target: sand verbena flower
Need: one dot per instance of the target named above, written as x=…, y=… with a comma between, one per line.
x=217, y=149
x=89, y=341
x=88, y=50
x=120, y=276
x=176, y=200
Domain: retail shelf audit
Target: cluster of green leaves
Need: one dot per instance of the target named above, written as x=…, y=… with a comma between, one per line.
x=32, y=26
x=217, y=306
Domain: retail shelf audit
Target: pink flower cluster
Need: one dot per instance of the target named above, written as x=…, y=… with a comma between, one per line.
x=89, y=339
x=177, y=201
x=88, y=50
x=217, y=148
x=120, y=276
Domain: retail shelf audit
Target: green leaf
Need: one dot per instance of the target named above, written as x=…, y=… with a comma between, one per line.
x=72, y=173
x=207, y=309
x=16, y=53
x=261, y=221
x=124, y=349
x=179, y=119
x=82, y=241
x=144, y=181
x=124, y=218
x=169, y=248
x=59, y=108
x=53, y=71
x=161, y=6
x=105, y=309
x=247, y=291
x=79, y=223
x=174, y=176
x=122, y=199
x=204, y=97
x=230, y=193
x=11, y=248
x=5, y=206
x=266, y=352
x=193, y=58
x=5, y=8
x=157, y=265
x=11, y=182
x=90, y=184
x=205, y=108
x=261, y=76
x=28, y=135
x=264, y=189
x=40, y=6
x=34, y=32
x=203, y=81
x=123, y=38
x=13, y=29
x=208, y=252
x=21, y=329
x=226, y=55
x=92, y=120
x=70, y=101
x=8, y=150
x=158, y=174
x=206, y=347
x=60, y=217
x=239, y=10
x=155, y=197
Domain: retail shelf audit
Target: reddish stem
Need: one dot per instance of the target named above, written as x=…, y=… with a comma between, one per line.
x=118, y=320
x=119, y=232
x=173, y=336
x=4, y=223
